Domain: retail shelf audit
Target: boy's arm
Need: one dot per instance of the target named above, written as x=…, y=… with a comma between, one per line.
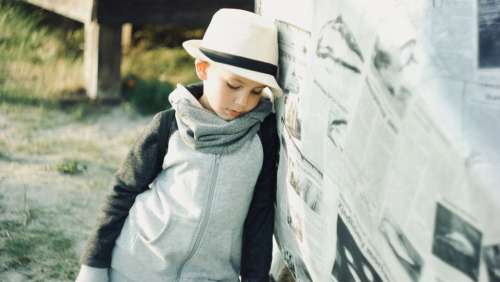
x=259, y=225
x=141, y=166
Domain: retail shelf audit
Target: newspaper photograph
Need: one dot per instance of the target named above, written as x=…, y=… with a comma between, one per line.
x=339, y=56
x=294, y=49
x=409, y=259
x=303, y=185
x=489, y=35
x=491, y=256
x=456, y=242
x=389, y=66
x=294, y=45
x=350, y=263
x=394, y=63
x=357, y=257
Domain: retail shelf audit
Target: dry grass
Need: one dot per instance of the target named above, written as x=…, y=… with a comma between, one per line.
x=35, y=61
x=171, y=65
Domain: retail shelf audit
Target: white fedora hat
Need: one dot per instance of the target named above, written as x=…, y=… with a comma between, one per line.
x=243, y=43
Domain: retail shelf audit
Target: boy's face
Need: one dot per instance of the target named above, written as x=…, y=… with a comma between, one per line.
x=226, y=94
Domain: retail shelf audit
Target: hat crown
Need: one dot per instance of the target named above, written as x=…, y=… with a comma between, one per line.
x=244, y=34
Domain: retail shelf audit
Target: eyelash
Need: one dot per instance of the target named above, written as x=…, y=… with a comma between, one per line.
x=238, y=87
x=257, y=92
x=232, y=87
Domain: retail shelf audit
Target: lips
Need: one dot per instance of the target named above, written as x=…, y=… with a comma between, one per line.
x=233, y=113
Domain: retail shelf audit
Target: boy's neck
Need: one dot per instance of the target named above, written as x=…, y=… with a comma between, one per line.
x=204, y=102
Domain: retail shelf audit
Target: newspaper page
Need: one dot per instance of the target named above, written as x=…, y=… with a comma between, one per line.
x=302, y=231
x=301, y=199
x=389, y=169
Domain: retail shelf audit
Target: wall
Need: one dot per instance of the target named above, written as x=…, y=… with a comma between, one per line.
x=389, y=166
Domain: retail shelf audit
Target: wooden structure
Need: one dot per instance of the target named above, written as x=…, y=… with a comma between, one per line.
x=103, y=20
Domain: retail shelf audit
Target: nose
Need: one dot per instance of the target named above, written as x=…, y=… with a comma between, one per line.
x=241, y=100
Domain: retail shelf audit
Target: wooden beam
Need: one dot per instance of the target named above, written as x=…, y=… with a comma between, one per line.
x=194, y=13
x=79, y=10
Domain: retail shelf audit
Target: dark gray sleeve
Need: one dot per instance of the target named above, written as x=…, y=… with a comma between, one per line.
x=138, y=170
x=259, y=224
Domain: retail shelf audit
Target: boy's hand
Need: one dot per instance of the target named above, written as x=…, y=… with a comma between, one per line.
x=92, y=274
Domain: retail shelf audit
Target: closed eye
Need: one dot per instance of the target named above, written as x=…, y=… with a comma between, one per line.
x=257, y=91
x=232, y=86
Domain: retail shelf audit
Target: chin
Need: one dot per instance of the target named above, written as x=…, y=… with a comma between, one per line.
x=229, y=118
x=225, y=117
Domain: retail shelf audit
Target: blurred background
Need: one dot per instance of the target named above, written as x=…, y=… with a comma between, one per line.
x=59, y=148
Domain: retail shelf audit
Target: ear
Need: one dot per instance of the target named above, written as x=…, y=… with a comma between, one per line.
x=201, y=69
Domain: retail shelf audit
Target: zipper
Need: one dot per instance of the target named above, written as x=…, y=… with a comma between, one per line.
x=205, y=217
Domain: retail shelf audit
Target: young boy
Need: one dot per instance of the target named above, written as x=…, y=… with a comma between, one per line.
x=210, y=164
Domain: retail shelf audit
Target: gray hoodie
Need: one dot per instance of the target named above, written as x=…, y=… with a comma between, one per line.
x=189, y=225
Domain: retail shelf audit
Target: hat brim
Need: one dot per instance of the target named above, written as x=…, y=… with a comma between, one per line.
x=193, y=49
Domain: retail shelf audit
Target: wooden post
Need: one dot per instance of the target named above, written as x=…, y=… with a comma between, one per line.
x=102, y=59
x=126, y=37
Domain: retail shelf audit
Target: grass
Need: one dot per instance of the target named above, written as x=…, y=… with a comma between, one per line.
x=36, y=62
x=146, y=96
x=25, y=249
x=70, y=166
x=32, y=247
x=41, y=64
x=150, y=75
x=171, y=65
x=4, y=156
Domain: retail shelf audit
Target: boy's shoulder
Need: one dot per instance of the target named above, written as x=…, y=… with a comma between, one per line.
x=268, y=132
x=269, y=124
x=164, y=116
x=162, y=125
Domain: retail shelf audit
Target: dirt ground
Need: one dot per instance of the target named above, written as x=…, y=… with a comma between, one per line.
x=55, y=169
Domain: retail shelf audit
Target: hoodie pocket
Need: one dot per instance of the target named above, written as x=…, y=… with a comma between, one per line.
x=163, y=239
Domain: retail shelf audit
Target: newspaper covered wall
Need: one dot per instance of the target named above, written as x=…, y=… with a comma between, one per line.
x=390, y=131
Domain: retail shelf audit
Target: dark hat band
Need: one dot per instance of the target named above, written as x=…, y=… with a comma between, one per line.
x=241, y=62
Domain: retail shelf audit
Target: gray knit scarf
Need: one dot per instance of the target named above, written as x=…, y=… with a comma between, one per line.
x=204, y=131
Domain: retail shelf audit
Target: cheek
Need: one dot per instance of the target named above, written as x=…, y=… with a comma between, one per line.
x=253, y=101
x=222, y=99
x=227, y=99
x=214, y=96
